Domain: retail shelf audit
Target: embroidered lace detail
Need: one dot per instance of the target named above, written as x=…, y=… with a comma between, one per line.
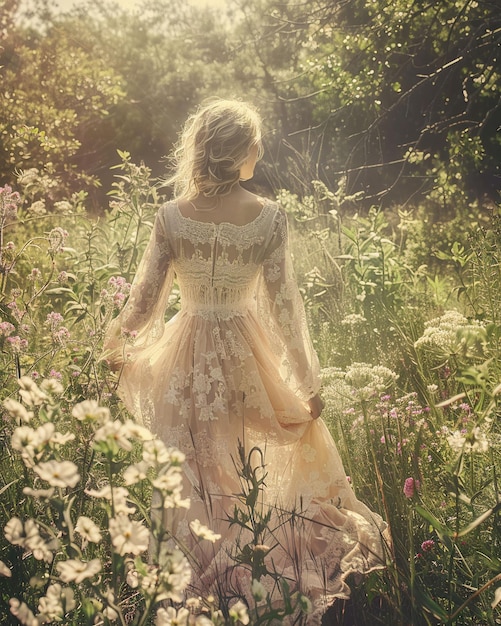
x=236, y=365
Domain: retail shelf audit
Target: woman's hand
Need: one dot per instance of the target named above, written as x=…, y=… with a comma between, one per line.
x=316, y=405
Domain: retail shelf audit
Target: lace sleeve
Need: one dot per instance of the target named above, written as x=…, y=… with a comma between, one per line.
x=282, y=311
x=141, y=321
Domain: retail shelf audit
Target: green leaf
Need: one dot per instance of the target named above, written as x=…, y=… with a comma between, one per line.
x=428, y=603
x=479, y=520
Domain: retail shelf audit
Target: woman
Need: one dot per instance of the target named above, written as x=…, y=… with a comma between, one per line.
x=236, y=366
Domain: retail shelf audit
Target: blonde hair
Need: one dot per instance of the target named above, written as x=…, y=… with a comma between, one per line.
x=213, y=146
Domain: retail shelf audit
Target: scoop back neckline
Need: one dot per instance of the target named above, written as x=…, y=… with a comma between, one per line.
x=266, y=204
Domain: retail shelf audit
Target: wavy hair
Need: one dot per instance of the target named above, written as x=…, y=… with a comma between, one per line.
x=213, y=146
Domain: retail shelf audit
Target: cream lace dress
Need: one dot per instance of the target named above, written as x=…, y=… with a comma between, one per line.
x=236, y=364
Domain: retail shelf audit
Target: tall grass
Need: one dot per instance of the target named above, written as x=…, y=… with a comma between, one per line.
x=411, y=376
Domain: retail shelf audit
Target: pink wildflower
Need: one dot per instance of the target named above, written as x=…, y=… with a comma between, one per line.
x=9, y=202
x=410, y=487
x=35, y=274
x=428, y=545
x=6, y=329
x=17, y=344
x=54, y=320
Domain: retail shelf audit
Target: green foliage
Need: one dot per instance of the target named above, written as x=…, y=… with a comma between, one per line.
x=53, y=92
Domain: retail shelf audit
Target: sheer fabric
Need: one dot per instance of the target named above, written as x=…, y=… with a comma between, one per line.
x=236, y=364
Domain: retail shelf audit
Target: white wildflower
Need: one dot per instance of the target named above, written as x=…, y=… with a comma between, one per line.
x=43, y=494
x=17, y=410
x=88, y=529
x=176, y=456
x=138, y=432
x=135, y=473
x=203, y=620
x=74, y=570
x=109, y=612
x=114, y=433
x=497, y=598
x=22, y=612
x=442, y=335
x=14, y=532
x=30, y=392
x=52, y=387
x=155, y=452
x=116, y=495
x=44, y=434
x=174, y=574
x=58, y=473
x=203, y=532
x=4, y=570
x=171, y=617
x=90, y=411
x=128, y=536
x=56, y=603
x=475, y=441
x=149, y=581
x=238, y=613
x=132, y=577
x=456, y=441
x=175, y=501
x=60, y=439
x=369, y=380
x=353, y=320
x=41, y=550
x=25, y=440
x=170, y=480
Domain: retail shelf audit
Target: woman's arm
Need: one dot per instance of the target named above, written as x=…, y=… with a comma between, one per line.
x=287, y=319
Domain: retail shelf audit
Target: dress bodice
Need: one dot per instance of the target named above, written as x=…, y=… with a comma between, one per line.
x=217, y=265
x=223, y=271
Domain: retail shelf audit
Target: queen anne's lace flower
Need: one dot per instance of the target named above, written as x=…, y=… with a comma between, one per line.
x=368, y=380
x=442, y=334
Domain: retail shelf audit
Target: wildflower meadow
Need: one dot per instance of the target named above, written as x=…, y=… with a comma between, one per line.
x=411, y=380
x=382, y=144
